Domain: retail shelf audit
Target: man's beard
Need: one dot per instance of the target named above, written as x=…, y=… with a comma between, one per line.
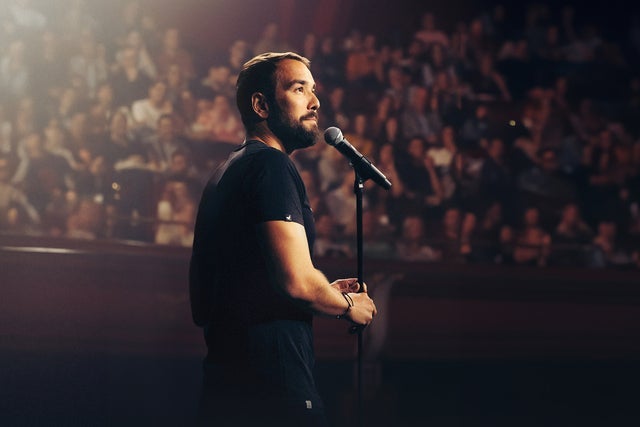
x=291, y=132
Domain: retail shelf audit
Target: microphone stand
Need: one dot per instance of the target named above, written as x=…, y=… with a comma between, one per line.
x=358, y=188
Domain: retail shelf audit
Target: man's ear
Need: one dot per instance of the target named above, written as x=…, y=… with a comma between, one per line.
x=259, y=105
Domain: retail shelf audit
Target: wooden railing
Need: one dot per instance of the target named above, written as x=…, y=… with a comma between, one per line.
x=60, y=294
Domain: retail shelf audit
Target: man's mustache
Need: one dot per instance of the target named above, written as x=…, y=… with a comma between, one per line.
x=312, y=115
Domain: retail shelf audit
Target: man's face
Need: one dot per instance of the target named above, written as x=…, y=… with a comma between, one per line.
x=157, y=93
x=293, y=117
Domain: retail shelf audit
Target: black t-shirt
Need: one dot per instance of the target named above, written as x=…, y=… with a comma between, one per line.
x=247, y=321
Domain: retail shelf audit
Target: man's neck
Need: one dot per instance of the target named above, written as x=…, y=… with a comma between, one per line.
x=264, y=135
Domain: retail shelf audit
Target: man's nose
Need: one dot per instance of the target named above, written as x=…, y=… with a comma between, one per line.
x=315, y=102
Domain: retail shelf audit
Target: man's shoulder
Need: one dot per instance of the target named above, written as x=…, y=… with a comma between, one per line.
x=254, y=158
x=265, y=154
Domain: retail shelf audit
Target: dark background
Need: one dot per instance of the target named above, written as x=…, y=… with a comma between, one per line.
x=99, y=334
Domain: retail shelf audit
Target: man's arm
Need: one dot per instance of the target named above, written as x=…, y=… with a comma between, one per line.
x=291, y=270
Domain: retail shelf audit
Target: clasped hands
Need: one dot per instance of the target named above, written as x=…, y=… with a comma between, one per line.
x=363, y=309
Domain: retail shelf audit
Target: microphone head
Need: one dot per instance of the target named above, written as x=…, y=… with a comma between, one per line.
x=333, y=136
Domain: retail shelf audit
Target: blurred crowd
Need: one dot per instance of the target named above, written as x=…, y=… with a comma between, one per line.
x=505, y=143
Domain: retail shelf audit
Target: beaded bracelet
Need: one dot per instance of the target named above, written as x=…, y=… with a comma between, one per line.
x=349, y=301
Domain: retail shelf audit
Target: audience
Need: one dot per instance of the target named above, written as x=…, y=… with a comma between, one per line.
x=505, y=142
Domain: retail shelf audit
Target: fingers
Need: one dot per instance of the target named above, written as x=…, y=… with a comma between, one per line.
x=350, y=285
x=354, y=286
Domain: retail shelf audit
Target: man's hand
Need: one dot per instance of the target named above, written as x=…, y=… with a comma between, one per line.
x=363, y=309
x=347, y=285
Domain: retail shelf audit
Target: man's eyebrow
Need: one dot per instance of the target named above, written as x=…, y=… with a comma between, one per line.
x=297, y=81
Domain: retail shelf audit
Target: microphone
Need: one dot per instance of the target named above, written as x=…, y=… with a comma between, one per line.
x=362, y=165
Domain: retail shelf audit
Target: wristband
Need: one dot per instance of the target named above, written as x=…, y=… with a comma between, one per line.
x=349, y=301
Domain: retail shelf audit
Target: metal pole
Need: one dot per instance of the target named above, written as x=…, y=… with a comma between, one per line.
x=358, y=188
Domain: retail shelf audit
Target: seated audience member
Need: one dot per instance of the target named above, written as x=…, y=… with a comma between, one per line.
x=443, y=154
x=572, y=229
x=216, y=122
x=25, y=120
x=218, y=81
x=397, y=87
x=488, y=84
x=309, y=46
x=419, y=177
x=437, y=62
x=411, y=245
x=175, y=213
x=358, y=137
x=332, y=168
x=77, y=131
x=334, y=110
x=146, y=112
x=467, y=168
x=485, y=232
x=15, y=75
x=119, y=143
x=6, y=139
x=176, y=84
x=569, y=238
x=515, y=64
x=181, y=168
x=496, y=179
x=129, y=82
x=328, y=64
x=429, y=34
x=173, y=53
x=164, y=141
x=379, y=119
x=134, y=176
x=133, y=197
x=378, y=235
x=452, y=238
x=65, y=104
x=414, y=117
x=269, y=40
x=608, y=169
x=13, y=202
x=239, y=53
x=89, y=67
x=329, y=241
x=387, y=203
x=87, y=221
x=532, y=242
x=546, y=186
x=608, y=251
x=101, y=110
x=40, y=174
x=476, y=127
x=361, y=61
x=341, y=204
x=57, y=142
x=135, y=43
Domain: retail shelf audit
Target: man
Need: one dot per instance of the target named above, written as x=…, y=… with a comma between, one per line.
x=147, y=112
x=253, y=285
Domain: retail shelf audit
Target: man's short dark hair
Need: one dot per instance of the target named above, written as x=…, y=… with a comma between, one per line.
x=258, y=75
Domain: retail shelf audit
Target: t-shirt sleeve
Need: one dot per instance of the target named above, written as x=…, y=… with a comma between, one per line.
x=273, y=190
